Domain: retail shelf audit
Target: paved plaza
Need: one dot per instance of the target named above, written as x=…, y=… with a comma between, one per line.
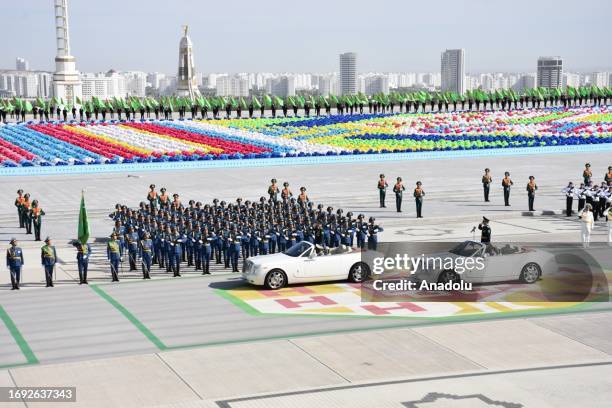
x=185, y=342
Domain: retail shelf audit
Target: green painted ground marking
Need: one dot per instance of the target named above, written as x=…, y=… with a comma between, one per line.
x=23, y=345
x=128, y=315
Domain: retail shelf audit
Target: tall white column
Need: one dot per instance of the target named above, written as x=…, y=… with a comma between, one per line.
x=66, y=79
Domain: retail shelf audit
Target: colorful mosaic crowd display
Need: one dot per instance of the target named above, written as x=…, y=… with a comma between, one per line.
x=74, y=143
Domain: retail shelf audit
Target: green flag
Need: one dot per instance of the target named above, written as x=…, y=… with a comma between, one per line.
x=83, y=232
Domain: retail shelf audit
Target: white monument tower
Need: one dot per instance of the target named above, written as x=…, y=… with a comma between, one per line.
x=66, y=79
x=187, y=85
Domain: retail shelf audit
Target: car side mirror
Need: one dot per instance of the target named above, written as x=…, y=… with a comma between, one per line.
x=311, y=255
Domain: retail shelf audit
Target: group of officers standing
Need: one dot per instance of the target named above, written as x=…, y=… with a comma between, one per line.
x=29, y=214
x=163, y=231
x=398, y=190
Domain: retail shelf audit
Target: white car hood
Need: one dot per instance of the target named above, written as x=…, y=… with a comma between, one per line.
x=264, y=259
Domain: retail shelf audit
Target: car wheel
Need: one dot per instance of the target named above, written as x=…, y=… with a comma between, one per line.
x=358, y=272
x=531, y=273
x=275, y=279
x=448, y=276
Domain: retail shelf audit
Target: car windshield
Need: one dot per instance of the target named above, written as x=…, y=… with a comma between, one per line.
x=297, y=249
x=466, y=248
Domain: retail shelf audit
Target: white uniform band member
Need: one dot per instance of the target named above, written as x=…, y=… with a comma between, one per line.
x=586, y=221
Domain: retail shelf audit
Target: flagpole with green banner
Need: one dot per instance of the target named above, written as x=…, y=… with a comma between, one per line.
x=83, y=232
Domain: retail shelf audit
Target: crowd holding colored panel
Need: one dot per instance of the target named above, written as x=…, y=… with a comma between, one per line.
x=81, y=143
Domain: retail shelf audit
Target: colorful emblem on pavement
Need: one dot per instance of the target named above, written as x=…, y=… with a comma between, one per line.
x=344, y=299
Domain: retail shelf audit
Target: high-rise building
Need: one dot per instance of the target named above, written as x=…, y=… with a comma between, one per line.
x=187, y=82
x=234, y=85
x=348, y=73
x=452, y=71
x=103, y=85
x=25, y=84
x=21, y=64
x=283, y=86
x=328, y=84
x=571, y=79
x=550, y=72
x=66, y=80
x=527, y=81
x=376, y=84
x=599, y=79
x=136, y=83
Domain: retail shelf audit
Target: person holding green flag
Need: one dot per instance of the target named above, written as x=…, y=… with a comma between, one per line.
x=81, y=245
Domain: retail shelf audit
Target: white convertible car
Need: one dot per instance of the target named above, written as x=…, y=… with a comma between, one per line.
x=497, y=263
x=304, y=263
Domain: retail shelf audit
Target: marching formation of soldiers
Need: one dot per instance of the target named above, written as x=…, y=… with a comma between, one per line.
x=598, y=195
x=29, y=214
x=163, y=231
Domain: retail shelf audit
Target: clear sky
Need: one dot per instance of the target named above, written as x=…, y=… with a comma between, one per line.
x=307, y=36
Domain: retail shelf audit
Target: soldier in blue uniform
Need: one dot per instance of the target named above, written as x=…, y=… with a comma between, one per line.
x=176, y=252
x=282, y=239
x=207, y=243
x=373, y=231
x=234, y=250
x=485, y=235
x=254, y=243
x=190, y=245
x=273, y=238
x=113, y=254
x=362, y=231
x=264, y=244
x=132, y=246
x=146, y=255
x=48, y=257
x=83, y=253
x=14, y=261
x=197, y=247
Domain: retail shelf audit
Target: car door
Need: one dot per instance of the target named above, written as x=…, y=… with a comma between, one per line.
x=475, y=274
x=321, y=267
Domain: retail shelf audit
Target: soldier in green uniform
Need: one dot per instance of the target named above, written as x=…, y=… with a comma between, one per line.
x=398, y=189
x=114, y=256
x=587, y=174
x=19, y=204
x=486, y=184
x=382, y=190
x=26, y=205
x=36, y=213
x=418, y=194
x=152, y=197
x=273, y=190
x=48, y=257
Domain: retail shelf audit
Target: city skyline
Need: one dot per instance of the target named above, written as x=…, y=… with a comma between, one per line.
x=490, y=38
